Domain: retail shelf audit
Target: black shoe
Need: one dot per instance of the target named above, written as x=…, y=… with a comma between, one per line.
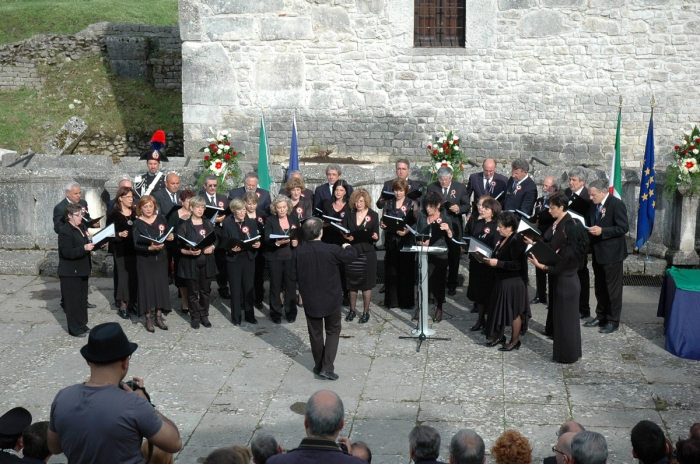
x=476, y=327
x=510, y=347
x=91, y=306
x=329, y=375
x=536, y=300
x=364, y=318
x=383, y=289
x=351, y=315
x=451, y=291
x=225, y=294
x=194, y=324
x=315, y=370
x=346, y=301
x=498, y=341
x=437, y=318
x=258, y=306
x=251, y=320
x=585, y=315
x=609, y=328
x=597, y=322
x=123, y=314
x=206, y=323
x=277, y=321
x=291, y=319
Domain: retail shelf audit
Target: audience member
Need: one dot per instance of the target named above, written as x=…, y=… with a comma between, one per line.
x=12, y=424
x=589, y=448
x=694, y=430
x=563, y=448
x=424, y=444
x=512, y=448
x=649, y=443
x=688, y=451
x=323, y=421
x=566, y=427
x=359, y=449
x=35, y=448
x=467, y=447
x=264, y=446
x=154, y=455
x=230, y=455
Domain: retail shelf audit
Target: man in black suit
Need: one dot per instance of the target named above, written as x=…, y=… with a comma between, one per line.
x=488, y=182
x=315, y=267
x=403, y=169
x=521, y=191
x=306, y=193
x=608, y=216
x=580, y=203
x=167, y=198
x=323, y=420
x=211, y=183
x=543, y=221
x=250, y=184
x=324, y=192
x=454, y=193
x=73, y=195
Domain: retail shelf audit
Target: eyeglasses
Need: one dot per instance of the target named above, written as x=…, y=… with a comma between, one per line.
x=554, y=448
x=76, y=214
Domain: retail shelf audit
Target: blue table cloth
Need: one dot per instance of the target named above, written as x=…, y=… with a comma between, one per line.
x=681, y=312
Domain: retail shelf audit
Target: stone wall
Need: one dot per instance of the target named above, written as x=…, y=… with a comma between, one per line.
x=134, y=51
x=536, y=78
x=125, y=145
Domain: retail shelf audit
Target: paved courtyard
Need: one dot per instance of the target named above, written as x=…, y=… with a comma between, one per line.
x=222, y=385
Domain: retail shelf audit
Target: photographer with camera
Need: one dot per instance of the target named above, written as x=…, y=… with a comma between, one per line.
x=103, y=419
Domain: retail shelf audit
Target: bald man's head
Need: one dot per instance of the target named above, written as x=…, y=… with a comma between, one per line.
x=325, y=415
x=570, y=426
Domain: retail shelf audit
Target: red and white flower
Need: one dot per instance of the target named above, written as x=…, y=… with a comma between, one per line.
x=245, y=229
x=203, y=232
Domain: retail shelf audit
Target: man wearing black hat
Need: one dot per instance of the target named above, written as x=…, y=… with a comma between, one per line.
x=103, y=420
x=152, y=180
x=12, y=424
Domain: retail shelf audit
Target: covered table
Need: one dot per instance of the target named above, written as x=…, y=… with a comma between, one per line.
x=679, y=305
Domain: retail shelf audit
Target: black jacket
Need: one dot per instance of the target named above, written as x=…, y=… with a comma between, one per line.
x=542, y=216
x=370, y=223
x=315, y=450
x=610, y=247
x=440, y=241
x=221, y=202
x=59, y=213
x=323, y=194
x=412, y=185
x=159, y=227
x=304, y=209
x=165, y=202
x=231, y=229
x=456, y=193
x=409, y=212
x=187, y=269
x=475, y=185
x=509, y=256
x=523, y=198
x=272, y=226
x=263, y=197
x=73, y=259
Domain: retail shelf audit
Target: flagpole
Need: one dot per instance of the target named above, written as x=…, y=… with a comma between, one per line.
x=647, y=259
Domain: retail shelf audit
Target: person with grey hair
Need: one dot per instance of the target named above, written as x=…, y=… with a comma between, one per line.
x=543, y=221
x=282, y=223
x=521, y=190
x=580, y=202
x=316, y=269
x=589, y=448
x=467, y=447
x=424, y=444
x=250, y=184
x=217, y=200
x=609, y=225
x=415, y=187
x=323, y=421
x=264, y=446
x=568, y=427
x=73, y=195
x=306, y=193
x=324, y=192
x=456, y=204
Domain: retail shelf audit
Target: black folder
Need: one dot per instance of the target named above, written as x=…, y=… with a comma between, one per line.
x=393, y=223
x=202, y=244
x=544, y=254
x=231, y=242
x=527, y=229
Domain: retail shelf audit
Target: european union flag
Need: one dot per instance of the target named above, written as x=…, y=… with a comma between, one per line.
x=647, y=191
x=293, y=151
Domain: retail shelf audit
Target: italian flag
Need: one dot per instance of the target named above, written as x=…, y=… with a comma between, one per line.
x=615, y=186
x=264, y=179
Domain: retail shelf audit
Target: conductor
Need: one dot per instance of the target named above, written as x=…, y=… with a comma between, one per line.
x=315, y=267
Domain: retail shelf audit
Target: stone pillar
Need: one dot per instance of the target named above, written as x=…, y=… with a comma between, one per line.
x=683, y=252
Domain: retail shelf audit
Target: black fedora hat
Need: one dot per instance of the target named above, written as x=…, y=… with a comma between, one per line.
x=107, y=343
x=14, y=421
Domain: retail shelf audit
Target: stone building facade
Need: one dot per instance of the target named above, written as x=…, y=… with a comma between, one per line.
x=536, y=78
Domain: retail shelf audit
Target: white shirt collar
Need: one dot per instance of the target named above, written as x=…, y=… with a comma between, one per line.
x=602, y=203
x=578, y=192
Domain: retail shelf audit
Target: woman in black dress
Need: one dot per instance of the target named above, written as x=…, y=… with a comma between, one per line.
x=566, y=324
x=123, y=216
x=74, y=267
x=337, y=208
x=433, y=213
x=151, y=263
x=481, y=274
x=278, y=253
x=240, y=262
x=175, y=221
x=399, y=268
x=509, y=305
x=251, y=208
x=361, y=273
x=197, y=267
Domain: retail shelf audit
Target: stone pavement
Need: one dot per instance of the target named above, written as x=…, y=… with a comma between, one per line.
x=222, y=385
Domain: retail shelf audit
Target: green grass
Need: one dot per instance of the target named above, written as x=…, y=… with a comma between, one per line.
x=107, y=103
x=22, y=19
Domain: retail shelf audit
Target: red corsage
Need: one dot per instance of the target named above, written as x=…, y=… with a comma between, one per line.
x=221, y=204
x=261, y=220
x=203, y=232
x=342, y=215
x=404, y=209
x=438, y=221
x=368, y=219
x=453, y=193
x=161, y=228
x=300, y=210
x=245, y=229
x=293, y=226
x=258, y=194
x=487, y=231
x=602, y=212
x=518, y=187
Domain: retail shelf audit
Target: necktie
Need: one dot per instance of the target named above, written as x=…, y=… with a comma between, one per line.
x=444, y=193
x=487, y=186
x=211, y=200
x=174, y=199
x=597, y=213
x=515, y=186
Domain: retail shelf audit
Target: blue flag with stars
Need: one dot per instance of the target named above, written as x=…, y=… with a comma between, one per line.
x=647, y=190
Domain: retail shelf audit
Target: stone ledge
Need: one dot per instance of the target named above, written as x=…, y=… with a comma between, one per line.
x=26, y=262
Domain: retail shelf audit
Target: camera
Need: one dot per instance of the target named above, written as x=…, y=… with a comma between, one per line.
x=343, y=447
x=133, y=384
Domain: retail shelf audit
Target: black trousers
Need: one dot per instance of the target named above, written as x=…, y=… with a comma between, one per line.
x=549, y=324
x=74, y=291
x=241, y=277
x=115, y=277
x=324, y=352
x=279, y=279
x=541, y=282
x=437, y=272
x=454, y=253
x=222, y=276
x=259, y=278
x=198, y=295
x=399, y=279
x=584, y=305
x=608, y=290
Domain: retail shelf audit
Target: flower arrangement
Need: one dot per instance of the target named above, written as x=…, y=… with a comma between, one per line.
x=684, y=170
x=220, y=158
x=444, y=150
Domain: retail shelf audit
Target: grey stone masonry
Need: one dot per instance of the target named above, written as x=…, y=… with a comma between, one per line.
x=536, y=78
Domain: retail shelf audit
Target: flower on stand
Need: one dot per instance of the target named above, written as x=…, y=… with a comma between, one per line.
x=444, y=150
x=220, y=158
x=684, y=170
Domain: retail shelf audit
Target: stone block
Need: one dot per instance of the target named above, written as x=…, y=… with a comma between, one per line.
x=190, y=19
x=370, y=6
x=285, y=28
x=201, y=114
x=602, y=25
x=376, y=98
x=563, y=3
x=542, y=23
x=7, y=157
x=333, y=19
x=226, y=28
x=244, y=6
x=67, y=137
x=129, y=69
x=504, y=5
x=207, y=75
x=25, y=262
x=280, y=80
x=126, y=48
